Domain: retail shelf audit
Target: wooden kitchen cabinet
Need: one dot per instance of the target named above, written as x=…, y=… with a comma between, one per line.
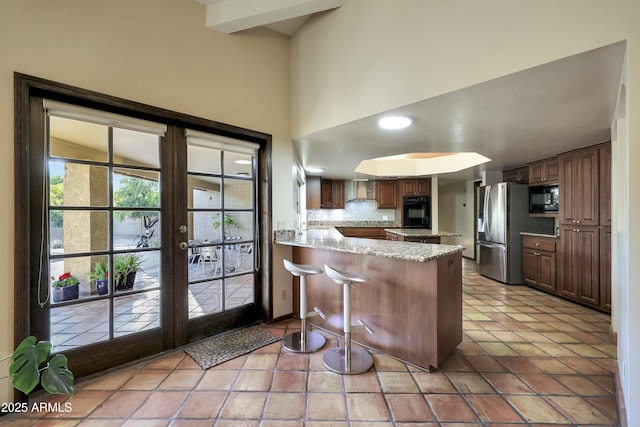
x=313, y=192
x=518, y=175
x=363, y=232
x=579, y=187
x=580, y=273
x=393, y=236
x=332, y=194
x=386, y=191
x=539, y=262
x=324, y=193
x=544, y=172
x=583, y=251
x=414, y=186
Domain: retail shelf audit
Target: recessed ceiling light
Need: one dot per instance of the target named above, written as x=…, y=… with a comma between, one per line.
x=394, y=122
x=419, y=164
x=312, y=169
x=243, y=162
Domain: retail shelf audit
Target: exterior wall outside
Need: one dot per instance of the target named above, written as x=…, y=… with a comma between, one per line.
x=156, y=52
x=428, y=48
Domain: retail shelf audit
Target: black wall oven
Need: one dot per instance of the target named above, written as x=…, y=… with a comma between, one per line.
x=416, y=212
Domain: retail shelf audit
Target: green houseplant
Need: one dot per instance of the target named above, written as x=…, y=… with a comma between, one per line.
x=125, y=267
x=65, y=288
x=99, y=274
x=229, y=223
x=26, y=370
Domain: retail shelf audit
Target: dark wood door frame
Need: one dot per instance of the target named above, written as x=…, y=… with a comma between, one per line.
x=28, y=93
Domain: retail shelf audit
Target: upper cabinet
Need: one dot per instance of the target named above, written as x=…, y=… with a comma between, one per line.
x=386, y=194
x=332, y=194
x=518, y=175
x=313, y=192
x=414, y=186
x=325, y=193
x=544, y=172
x=579, y=187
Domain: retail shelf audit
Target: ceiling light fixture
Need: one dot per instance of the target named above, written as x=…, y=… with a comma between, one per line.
x=312, y=169
x=394, y=122
x=243, y=162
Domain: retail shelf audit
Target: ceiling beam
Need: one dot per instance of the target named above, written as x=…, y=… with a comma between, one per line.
x=230, y=16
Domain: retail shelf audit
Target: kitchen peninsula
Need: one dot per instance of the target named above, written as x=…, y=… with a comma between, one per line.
x=412, y=300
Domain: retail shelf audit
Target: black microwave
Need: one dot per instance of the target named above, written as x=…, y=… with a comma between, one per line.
x=544, y=199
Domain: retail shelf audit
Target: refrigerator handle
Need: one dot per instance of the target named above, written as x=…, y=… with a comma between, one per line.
x=487, y=219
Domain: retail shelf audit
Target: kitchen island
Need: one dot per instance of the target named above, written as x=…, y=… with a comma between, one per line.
x=412, y=300
x=419, y=235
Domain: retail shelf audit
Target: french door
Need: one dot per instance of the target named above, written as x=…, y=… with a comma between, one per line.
x=156, y=227
x=217, y=233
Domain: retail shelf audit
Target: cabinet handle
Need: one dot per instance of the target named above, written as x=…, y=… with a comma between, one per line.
x=536, y=253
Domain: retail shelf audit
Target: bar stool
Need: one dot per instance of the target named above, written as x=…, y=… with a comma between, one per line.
x=304, y=341
x=347, y=360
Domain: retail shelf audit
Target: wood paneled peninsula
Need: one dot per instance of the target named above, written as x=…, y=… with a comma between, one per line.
x=412, y=301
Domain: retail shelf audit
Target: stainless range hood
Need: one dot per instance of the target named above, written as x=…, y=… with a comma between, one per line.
x=359, y=190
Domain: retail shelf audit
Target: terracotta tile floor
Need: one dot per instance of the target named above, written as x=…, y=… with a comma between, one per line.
x=527, y=359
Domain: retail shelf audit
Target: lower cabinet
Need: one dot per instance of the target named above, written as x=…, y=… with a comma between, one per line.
x=362, y=232
x=580, y=273
x=577, y=266
x=539, y=262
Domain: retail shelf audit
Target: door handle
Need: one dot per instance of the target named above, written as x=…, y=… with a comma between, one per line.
x=183, y=245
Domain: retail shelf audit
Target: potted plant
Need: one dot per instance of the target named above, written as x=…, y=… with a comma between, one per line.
x=25, y=371
x=99, y=274
x=125, y=267
x=65, y=288
x=229, y=223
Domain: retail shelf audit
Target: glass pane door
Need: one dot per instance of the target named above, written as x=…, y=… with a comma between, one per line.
x=222, y=226
x=104, y=224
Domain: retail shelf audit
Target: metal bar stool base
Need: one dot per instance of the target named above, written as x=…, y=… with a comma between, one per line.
x=335, y=360
x=313, y=342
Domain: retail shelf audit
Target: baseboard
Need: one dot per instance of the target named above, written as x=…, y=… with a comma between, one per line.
x=622, y=412
x=613, y=336
x=281, y=318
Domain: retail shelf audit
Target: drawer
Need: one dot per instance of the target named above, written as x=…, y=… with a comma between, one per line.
x=547, y=244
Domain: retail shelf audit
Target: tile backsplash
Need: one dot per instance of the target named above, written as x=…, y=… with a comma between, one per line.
x=365, y=210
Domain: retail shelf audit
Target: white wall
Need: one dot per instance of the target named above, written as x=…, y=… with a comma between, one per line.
x=156, y=52
x=456, y=215
x=426, y=48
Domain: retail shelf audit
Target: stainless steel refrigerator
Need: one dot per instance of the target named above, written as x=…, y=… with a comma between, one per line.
x=503, y=213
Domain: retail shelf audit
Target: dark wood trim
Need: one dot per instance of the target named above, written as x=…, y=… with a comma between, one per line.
x=265, y=195
x=172, y=261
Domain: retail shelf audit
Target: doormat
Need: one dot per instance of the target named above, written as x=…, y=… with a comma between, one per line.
x=221, y=348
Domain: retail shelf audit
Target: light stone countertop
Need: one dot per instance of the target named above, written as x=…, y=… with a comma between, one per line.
x=332, y=240
x=420, y=232
x=550, y=236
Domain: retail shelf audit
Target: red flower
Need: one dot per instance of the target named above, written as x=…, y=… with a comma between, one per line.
x=64, y=276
